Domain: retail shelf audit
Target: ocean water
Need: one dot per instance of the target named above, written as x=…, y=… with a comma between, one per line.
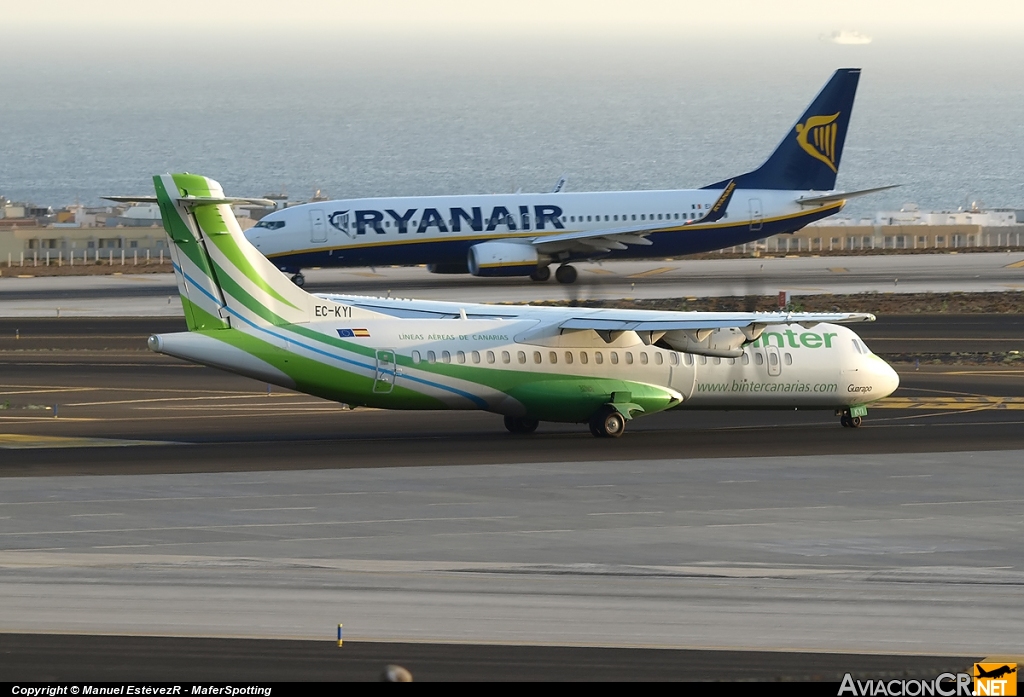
x=411, y=116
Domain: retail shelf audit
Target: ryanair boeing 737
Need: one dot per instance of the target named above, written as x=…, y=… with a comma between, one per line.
x=601, y=367
x=524, y=234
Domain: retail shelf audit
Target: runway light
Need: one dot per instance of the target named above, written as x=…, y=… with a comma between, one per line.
x=339, y=636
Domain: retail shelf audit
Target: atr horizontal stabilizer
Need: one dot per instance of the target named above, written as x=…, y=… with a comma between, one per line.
x=195, y=200
x=841, y=196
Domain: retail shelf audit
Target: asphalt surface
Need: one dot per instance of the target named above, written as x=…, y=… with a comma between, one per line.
x=156, y=294
x=844, y=576
x=113, y=658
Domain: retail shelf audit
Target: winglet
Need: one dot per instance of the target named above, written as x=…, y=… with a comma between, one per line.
x=718, y=209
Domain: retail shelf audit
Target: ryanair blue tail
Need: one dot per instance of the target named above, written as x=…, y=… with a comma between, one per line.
x=808, y=157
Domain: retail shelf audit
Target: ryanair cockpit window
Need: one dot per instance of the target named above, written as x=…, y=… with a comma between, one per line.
x=270, y=224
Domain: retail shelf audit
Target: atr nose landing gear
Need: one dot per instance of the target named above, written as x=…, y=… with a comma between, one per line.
x=565, y=274
x=848, y=420
x=298, y=279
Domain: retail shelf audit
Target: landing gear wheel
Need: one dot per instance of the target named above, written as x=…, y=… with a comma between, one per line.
x=565, y=274
x=850, y=421
x=299, y=280
x=521, y=424
x=607, y=423
x=541, y=274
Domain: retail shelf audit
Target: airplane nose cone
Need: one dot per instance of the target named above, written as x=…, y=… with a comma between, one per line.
x=885, y=378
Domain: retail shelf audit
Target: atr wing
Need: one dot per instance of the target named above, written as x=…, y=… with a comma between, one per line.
x=841, y=196
x=598, y=319
x=695, y=321
x=607, y=239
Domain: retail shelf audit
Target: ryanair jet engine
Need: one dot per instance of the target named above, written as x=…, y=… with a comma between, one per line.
x=502, y=259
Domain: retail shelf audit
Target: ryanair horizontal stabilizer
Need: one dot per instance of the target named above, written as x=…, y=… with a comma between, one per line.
x=841, y=196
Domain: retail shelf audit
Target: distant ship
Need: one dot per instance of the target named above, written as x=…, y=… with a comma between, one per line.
x=848, y=38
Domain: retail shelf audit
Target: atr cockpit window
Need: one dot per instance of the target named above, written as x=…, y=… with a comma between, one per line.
x=270, y=224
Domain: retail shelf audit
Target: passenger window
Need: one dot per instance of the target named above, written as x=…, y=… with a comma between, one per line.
x=673, y=358
x=643, y=216
x=461, y=356
x=431, y=357
x=521, y=356
x=446, y=357
x=583, y=357
x=703, y=360
x=536, y=357
x=717, y=360
x=732, y=361
x=490, y=356
x=634, y=216
x=553, y=357
x=598, y=357
x=746, y=359
x=643, y=358
x=415, y=356
x=773, y=359
x=689, y=359
x=659, y=359
x=629, y=358
x=615, y=357
x=788, y=358
x=568, y=356
x=505, y=357
x=659, y=216
x=616, y=217
x=759, y=359
x=476, y=356
x=606, y=219
x=589, y=217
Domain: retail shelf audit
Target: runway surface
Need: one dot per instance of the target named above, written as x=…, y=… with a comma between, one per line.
x=248, y=515
x=168, y=659
x=156, y=294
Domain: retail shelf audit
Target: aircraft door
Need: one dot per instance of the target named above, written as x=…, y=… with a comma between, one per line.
x=774, y=360
x=318, y=231
x=756, y=214
x=683, y=374
x=384, y=379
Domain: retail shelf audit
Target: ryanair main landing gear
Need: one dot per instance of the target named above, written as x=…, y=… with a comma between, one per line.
x=607, y=423
x=566, y=274
x=521, y=424
x=541, y=274
x=298, y=279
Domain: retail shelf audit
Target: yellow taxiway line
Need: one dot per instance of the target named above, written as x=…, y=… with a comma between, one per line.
x=951, y=403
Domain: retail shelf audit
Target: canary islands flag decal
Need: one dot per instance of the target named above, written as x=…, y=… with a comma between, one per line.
x=818, y=138
x=995, y=679
x=353, y=333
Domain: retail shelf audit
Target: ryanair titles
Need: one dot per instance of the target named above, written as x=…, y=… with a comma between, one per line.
x=543, y=217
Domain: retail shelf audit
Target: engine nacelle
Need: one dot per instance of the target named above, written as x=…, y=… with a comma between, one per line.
x=724, y=343
x=502, y=259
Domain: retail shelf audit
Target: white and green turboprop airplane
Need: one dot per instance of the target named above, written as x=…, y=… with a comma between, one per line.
x=530, y=364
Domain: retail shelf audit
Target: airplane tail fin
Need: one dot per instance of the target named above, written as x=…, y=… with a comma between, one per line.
x=223, y=280
x=808, y=157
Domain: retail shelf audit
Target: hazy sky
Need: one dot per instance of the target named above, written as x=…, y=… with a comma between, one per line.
x=909, y=17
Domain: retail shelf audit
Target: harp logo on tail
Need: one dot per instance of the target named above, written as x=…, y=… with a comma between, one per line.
x=818, y=138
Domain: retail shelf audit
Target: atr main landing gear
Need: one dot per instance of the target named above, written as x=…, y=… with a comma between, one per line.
x=521, y=424
x=565, y=274
x=607, y=423
x=298, y=279
x=850, y=421
x=541, y=274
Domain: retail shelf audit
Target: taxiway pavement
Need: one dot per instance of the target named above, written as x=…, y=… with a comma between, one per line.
x=156, y=294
